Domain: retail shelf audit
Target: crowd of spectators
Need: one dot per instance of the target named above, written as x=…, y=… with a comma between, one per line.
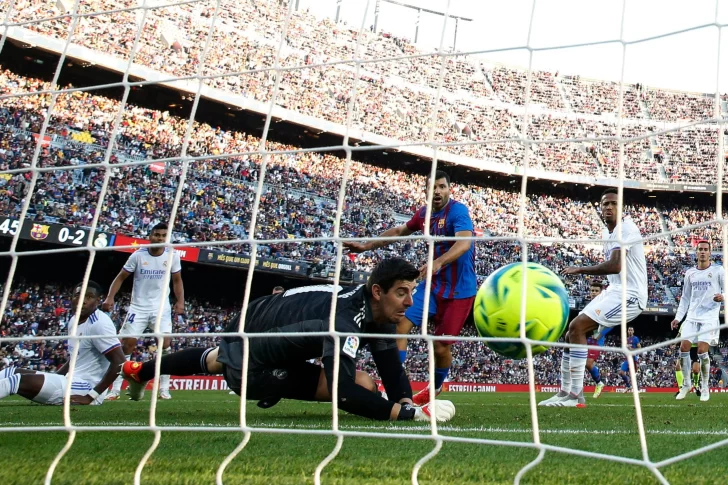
x=691, y=155
x=674, y=106
x=475, y=362
x=44, y=309
x=601, y=97
x=298, y=199
x=396, y=99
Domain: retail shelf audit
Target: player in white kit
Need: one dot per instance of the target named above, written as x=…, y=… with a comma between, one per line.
x=98, y=363
x=604, y=311
x=148, y=265
x=702, y=296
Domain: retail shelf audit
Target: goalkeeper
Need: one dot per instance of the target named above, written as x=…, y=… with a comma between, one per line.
x=278, y=367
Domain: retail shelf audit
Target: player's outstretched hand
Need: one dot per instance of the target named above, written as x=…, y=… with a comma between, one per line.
x=83, y=400
x=179, y=308
x=718, y=297
x=569, y=270
x=355, y=247
x=107, y=305
x=444, y=411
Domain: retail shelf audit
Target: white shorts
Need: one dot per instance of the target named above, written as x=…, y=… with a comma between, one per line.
x=606, y=309
x=137, y=322
x=708, y=332
x=54, y=388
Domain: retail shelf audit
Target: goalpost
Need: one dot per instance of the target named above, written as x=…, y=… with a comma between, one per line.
x=26, y=21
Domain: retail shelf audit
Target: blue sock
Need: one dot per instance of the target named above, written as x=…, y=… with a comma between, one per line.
x=440, y=376
x=595, y=374
x=627, y=382
x=402, y=356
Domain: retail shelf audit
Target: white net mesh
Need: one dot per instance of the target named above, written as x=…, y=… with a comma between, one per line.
x=378, y=93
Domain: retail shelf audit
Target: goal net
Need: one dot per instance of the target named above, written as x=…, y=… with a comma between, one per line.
x=266, y=134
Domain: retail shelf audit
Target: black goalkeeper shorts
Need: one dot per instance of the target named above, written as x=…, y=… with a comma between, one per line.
x=266, y=384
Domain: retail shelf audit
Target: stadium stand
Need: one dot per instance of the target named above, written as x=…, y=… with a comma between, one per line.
x=479, y=102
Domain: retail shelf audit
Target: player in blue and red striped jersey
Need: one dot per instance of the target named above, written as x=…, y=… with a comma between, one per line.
x=595, y=288
x=453, y=276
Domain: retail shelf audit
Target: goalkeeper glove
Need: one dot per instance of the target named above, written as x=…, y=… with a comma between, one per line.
x=444, y=411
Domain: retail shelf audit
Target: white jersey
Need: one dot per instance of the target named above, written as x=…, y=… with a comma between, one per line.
x=149, y=279
x=92, y=364
x=635, y=262
x=699, y=288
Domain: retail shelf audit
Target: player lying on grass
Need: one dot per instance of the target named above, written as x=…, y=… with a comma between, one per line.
x=98, y=363
x=278, y=367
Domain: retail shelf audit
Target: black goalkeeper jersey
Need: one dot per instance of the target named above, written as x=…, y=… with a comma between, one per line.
x=305, y=310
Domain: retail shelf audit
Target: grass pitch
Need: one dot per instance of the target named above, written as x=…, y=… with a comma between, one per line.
x=607, y=426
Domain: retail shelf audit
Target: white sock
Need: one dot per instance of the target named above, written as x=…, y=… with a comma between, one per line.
x=565, y=373
x=685, y=362
x=164, y=379
x=705, y=370
x=9, y=385
x=577, y=368
x=7, y=372
x=116, y=386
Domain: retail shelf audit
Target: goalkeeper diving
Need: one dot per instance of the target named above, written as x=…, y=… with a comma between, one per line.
x=278, y=367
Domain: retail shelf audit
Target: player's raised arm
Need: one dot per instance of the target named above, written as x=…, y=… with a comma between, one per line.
x=684, y=305
x=397, y=231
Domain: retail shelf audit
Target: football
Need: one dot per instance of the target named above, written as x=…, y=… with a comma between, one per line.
x=497, y=311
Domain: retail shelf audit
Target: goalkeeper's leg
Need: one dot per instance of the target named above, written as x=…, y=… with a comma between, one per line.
x=184, y=363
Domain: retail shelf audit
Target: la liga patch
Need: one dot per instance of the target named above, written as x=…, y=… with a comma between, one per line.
x=351, y=345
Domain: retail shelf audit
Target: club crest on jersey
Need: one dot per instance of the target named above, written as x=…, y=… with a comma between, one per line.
x=598, y=311
x=351, y=346
x=39, y=231
x=441, y=223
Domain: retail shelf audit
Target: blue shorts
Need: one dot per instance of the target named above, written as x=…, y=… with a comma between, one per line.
x=601, y=334
x=625, y=365
x=414, y=313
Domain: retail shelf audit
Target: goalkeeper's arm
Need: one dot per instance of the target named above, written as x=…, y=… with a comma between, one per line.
x=355, y=399
x=393, y=375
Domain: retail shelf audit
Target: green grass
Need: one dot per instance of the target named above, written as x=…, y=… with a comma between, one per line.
x=183, y=457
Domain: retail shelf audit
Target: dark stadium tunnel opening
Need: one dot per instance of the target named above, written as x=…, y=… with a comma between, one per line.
x=216, y=285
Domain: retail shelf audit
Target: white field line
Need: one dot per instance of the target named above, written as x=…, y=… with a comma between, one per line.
x=591, y=403
x=444, y=428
